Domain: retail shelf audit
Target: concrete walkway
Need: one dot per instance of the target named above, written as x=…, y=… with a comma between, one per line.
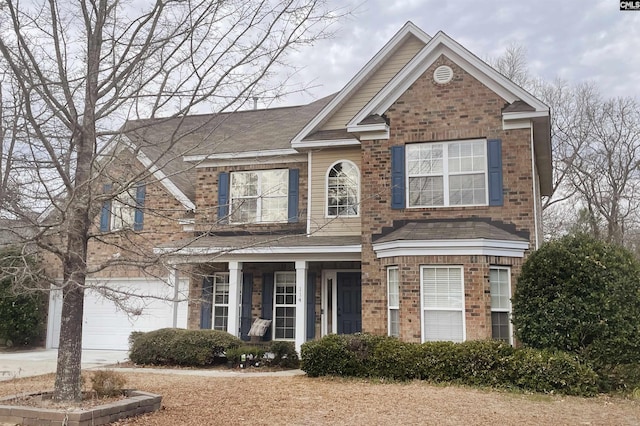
x=43, y=361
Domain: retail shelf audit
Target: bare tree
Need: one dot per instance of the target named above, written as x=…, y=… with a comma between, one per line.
x=76, y=71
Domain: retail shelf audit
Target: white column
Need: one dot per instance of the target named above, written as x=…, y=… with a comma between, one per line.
x=235, y=286
x=301, y=303
x=174, y=281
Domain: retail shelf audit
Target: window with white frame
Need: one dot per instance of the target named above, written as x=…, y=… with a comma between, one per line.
x=259, y=196
x=123, y=210
x=342, y=189
x=285, y=306
x=500, y=303
x=442, y=303
x=220, y=301
x=447, y=173
x=393, y=300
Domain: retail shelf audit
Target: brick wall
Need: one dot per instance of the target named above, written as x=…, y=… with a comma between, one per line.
x=427, y=111
x=207, y=199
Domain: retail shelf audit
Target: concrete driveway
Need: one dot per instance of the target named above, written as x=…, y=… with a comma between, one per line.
x=43, y=361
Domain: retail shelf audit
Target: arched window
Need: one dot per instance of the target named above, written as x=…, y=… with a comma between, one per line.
x=343, y=186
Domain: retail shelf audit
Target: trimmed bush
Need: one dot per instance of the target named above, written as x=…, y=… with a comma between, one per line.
x=582, y=296
x=174, y=346
x=476, y=363
x=284, y=354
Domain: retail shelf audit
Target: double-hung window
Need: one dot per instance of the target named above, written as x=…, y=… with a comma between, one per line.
x=500, y=303
x=393, y=298
x=125, y=210
x=259, y=196
x=220, y=301
x=447, y=173
x=442, y=303
x=285, y=306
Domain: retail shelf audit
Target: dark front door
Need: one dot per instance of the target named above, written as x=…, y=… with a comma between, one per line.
x=349, y=302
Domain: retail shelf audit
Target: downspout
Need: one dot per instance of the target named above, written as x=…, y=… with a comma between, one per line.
x=535, y=190
x=309, y=158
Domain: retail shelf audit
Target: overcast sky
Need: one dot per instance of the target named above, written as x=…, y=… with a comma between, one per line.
x=577, y=40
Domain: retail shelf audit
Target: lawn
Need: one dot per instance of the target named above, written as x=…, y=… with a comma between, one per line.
x=299, y=400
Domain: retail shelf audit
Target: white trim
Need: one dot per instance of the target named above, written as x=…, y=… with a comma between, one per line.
x=213, y=296
x=509, y=310
x=442, y=44
x=516, y=124
x=389, y=307
x=261, y=161
x=422, y=307
x=408, y=29
x=331, y=274
x=325, y=143
x=241, y=154
x=263, y=250
x=373, y=136
x=453, y=247
x=326, y=190
x=522, y=115
x=300, y=334
x=378, y=127
x=235, y=301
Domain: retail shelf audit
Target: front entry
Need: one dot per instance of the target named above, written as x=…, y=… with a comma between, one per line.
x=349, y=302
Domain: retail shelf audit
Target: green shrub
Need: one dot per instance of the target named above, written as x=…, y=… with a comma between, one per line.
x=173, y=346
x=581, y=296
x=22, y=310
x=476, y=363
x=284, y=354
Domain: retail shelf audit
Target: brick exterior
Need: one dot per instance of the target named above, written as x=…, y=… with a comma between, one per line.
x=428, y=112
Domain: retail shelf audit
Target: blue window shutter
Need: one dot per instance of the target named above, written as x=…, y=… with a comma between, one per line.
x=494, y=165
x=138, y=219
x=294, y=195
x=223, y=195
x=245, y=316
x=267, y=301
x=207, y=302
x=105, y=212
x=397, y=177
x=311, y=305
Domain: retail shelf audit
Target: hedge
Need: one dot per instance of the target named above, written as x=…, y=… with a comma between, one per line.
x=173, y=346
x=477, y=363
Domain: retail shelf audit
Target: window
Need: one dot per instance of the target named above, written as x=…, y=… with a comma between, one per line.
x=124, y=211
x=393, y=298
x=500, y=304
x=285, y=306
x=220, y=301
x=259, y=196
x=442, y=303
x=447, y=173
x=342, y=189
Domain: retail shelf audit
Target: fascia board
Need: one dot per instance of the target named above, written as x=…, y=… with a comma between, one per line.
x=199, y=251
x=325, y=143
x=237, y=155
x=479, y=247
x=443, y=44
x=408, y=29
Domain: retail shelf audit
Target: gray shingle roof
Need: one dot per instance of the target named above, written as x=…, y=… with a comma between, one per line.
x=165, y=141
x=450, y=230
x=518, y=106
x=261, y=241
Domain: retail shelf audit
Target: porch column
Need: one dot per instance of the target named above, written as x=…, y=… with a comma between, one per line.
x=301, y=303
x=235, y=285
x=174, y=281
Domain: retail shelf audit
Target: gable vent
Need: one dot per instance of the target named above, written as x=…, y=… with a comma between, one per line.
x=443, y=74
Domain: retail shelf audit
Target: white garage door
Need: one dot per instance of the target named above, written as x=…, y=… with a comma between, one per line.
x=108, y=326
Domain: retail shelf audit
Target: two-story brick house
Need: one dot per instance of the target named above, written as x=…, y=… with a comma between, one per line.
x=404, y=204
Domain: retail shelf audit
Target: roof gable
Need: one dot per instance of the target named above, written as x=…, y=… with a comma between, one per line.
x=408, y=31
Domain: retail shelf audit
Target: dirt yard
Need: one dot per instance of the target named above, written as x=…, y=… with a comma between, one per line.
x=192, y=400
